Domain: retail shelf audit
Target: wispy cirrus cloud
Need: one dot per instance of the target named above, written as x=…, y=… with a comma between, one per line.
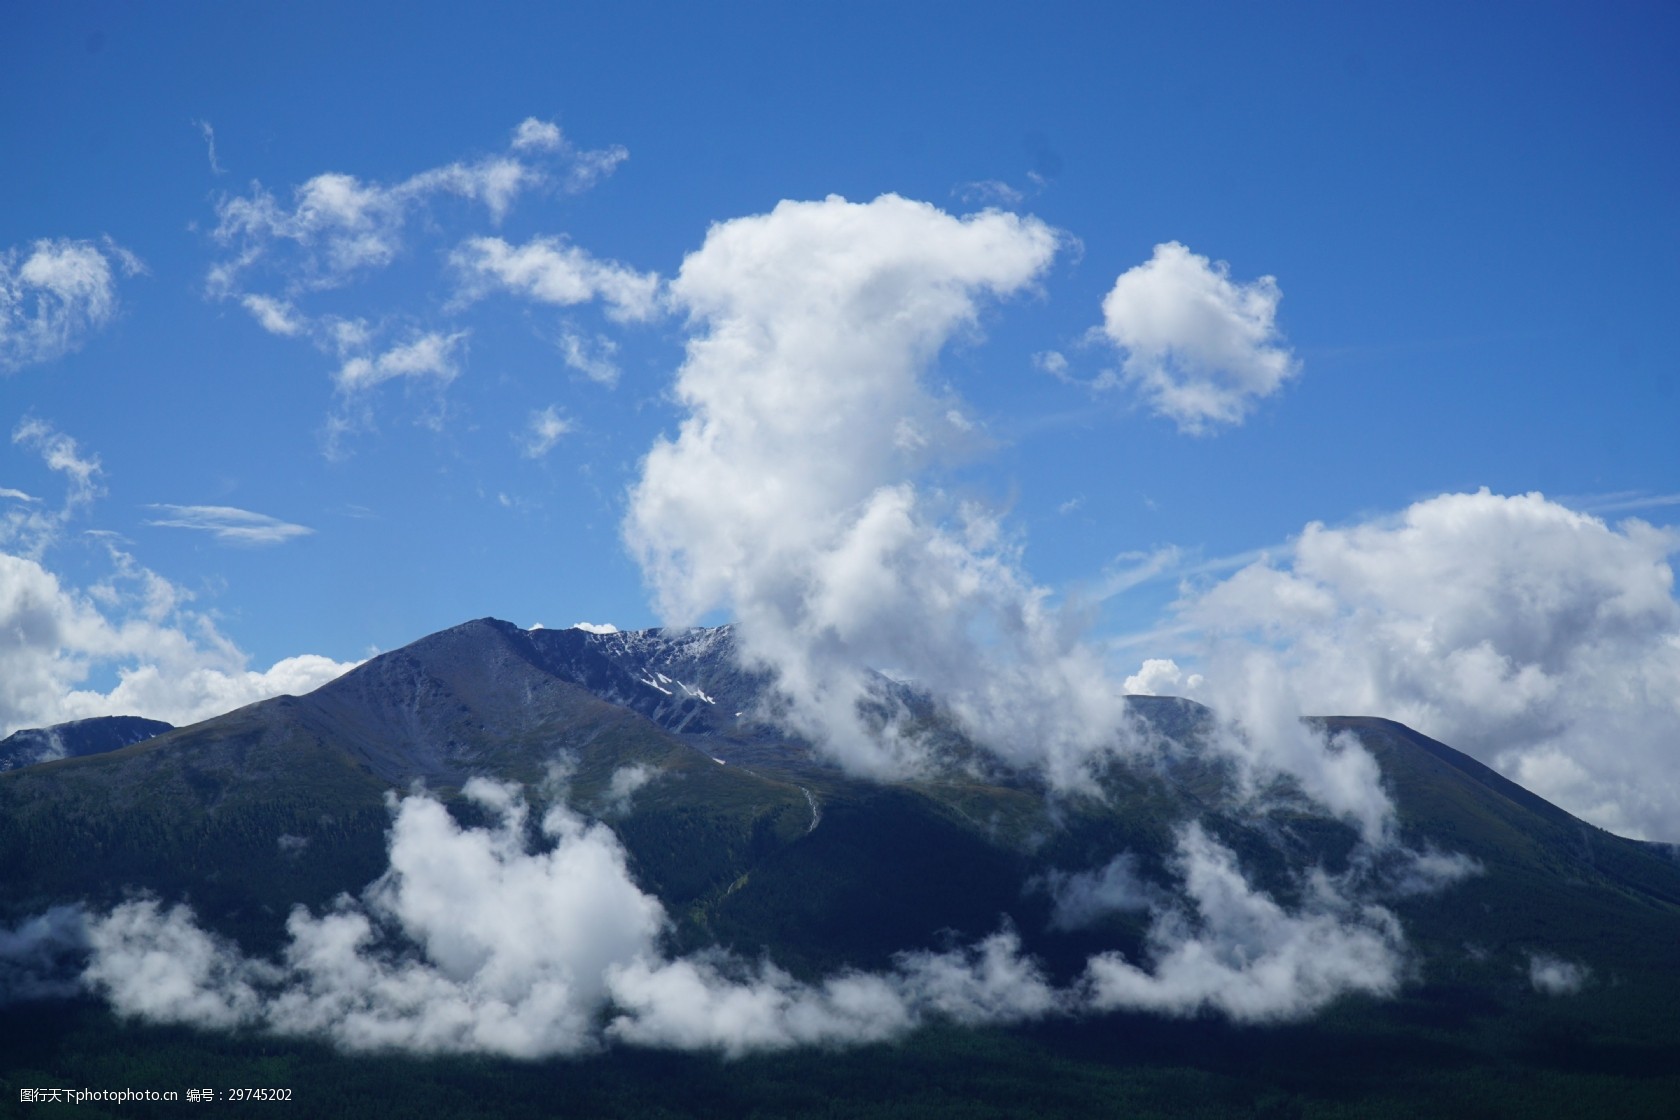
x=229, y=524
x=431, y=355
x=548, y=270
x=583, y=168
x=56, y=293
x=276, y=316
x=336, y=226
x=209, y=134
x=592, y=359
x=291, y=259
x=1622, y=501
x=31, y=527
x=989, y=192
x=544, y=429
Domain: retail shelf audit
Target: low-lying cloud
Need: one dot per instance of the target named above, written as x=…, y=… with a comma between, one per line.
x=1234, y=950
x=472, y=942
x=1554, y=976
x=38, y=957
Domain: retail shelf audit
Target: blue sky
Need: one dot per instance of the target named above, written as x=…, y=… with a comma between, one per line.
x=1469, y=212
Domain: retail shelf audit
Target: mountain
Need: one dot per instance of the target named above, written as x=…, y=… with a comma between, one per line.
x=73, y=740
x=755, y=845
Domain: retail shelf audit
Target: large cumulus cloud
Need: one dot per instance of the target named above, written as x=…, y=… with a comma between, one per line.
x=1539, y=639
x=796, y=496
x=793, y=494
x=1199, y=347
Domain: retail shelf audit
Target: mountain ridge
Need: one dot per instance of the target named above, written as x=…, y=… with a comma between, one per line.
x=32, y=746
x=755, y=848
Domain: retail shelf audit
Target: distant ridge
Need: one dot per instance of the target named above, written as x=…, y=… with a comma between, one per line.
x=35, y=745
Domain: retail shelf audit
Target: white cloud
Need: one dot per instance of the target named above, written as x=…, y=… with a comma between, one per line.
x=622, y=786
x=1553, y=976
x=1259, y=725
x=288, y=261
x=1200, y=348
x=159, y=965
x=586, y=168
x=469, y=943
x=62, y=454
x=338, y=226
x=989, y=192
x=595, y=627
x=229, y=524
x=425, y=359
x=1237, y=952
x=31, y=528
x=1083, y=898
x=1540, y=640
x=1132, y=569
x=346, y=336
x=1621, y=502
x=170, y=664
x=544, y=430
x=277, y=316
x=594, y=362
x=549, y=270
x=788, y=496
x=54, y=295
x=533, y=134
x=709, y=1002
x=1161, y=676
x=1055, y=363
x=472, y=943
x=209, y=135
x=1429, y=871
x=432, y=354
